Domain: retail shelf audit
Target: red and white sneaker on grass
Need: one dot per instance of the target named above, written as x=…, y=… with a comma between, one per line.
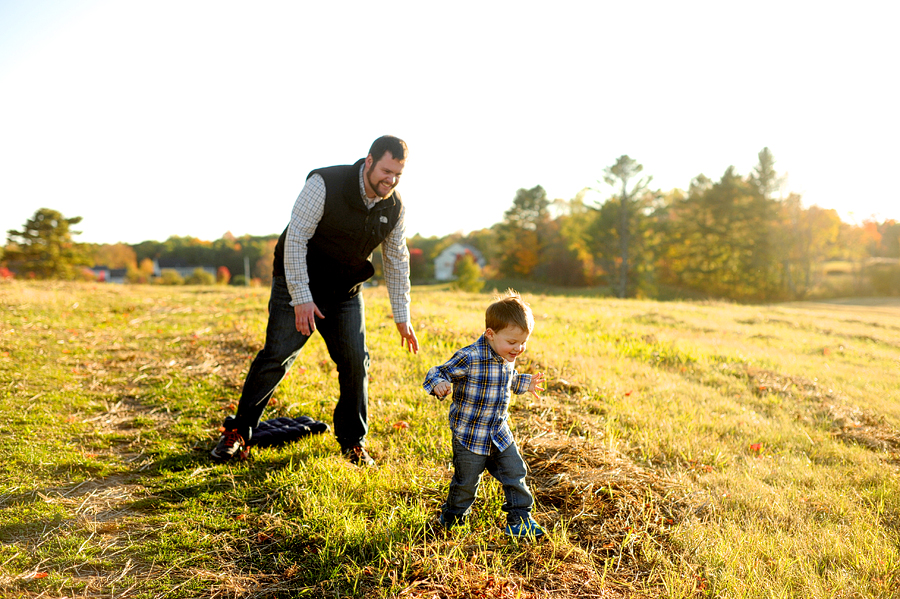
x=231, y=446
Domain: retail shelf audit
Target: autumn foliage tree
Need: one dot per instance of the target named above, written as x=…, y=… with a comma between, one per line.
x=523, y=232
x=805, y=237
x=888, y=245
x=115, y=255
x=718, y=240
x=262, y=270
x=565, y=260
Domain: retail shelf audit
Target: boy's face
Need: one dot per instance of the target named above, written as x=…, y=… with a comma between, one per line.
x=508, y=342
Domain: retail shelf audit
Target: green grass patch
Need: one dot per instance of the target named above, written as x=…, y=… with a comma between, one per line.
x=681, y=449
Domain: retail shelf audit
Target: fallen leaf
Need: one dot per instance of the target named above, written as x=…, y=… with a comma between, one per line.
x=401, y=425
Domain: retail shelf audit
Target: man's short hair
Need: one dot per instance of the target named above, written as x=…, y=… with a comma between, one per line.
x=509, y=309
x=388, y=143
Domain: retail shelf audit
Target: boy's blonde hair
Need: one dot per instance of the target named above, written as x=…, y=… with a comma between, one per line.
x=509, y=309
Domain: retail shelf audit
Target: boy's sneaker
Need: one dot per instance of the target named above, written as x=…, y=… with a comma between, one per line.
x=524, y=529
x=358, y=456
x=231, y=446
x=448, y=524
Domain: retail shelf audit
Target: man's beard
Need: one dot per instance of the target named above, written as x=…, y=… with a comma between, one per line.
x=375, y=185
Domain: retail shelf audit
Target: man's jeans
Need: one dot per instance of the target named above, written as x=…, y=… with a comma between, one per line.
x=344, y=332
x=506, y=466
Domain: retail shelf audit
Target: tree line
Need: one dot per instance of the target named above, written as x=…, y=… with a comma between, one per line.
x=45, y=249
x=738, y=238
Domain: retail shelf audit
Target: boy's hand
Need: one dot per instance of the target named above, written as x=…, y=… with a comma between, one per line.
x=536, y=381
x=442, y=389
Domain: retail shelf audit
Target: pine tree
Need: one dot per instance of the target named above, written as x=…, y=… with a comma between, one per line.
x=44, y=247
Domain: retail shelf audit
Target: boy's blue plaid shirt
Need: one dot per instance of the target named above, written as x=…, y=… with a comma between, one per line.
x=482, y=387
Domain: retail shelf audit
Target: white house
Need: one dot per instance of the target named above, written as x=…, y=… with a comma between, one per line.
x=446, y=260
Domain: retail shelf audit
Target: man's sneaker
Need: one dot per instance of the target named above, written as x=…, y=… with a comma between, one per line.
x=231, y=446
x=358, y=456
x=524, y=529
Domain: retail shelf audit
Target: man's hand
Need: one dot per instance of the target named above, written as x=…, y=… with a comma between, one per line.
x=536, y=381
x=408, y=335
x=305, y=317
x=442, y=389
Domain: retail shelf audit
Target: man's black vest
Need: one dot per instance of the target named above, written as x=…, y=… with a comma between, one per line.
x=337, y=255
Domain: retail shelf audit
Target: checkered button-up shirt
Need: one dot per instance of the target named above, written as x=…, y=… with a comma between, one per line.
x=305, y=217
x=483, y=384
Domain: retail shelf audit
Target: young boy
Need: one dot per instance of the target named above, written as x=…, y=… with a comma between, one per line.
x=483, y=376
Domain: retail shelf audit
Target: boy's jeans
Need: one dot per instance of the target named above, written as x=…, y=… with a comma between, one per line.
x=506, y=466
x=344, y=332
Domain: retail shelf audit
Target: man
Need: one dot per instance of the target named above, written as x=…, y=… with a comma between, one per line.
x=321, y=261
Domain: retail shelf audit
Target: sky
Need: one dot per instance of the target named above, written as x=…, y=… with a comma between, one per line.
x=150, y=119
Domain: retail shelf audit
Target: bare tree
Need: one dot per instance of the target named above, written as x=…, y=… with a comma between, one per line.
x=618, y=176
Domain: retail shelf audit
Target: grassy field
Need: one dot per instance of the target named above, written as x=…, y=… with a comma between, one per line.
x=680, y=450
